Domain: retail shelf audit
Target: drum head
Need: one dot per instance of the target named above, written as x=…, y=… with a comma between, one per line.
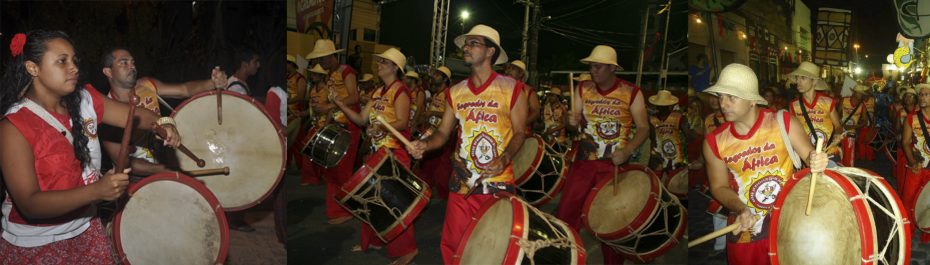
x=922, y=209
x=831, y=228
x=609, y=211
x=527, y=159
x=171, y=219
x=247, y=142
x=489, y=242
x=678, y=184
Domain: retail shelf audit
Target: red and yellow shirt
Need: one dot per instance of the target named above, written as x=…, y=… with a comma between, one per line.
x=607, y=121
x=553, y=117
x=669, y=138
x=336, y=83
x=819, y=112
x=920, y=140
x=712, y=121
x=485, y=127
x=758, y=163
x=292, y=88
x=848, y=106
x=382, y=103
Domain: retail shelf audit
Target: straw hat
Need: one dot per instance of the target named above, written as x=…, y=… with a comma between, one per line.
x=413, y=74
x=807, y=69
x=921, y=86
x=323, y=47
x=445, y=71
x=519, y=64
x=865, y=88
x=555, y=90
x=292, y=59
x=487, y=32
x=740, y=81
x=318, y=69
x=602, y=54
x=395, y=56
x=908, y=90
x=663, y=98
x=582, y=77
x=366, y=78
x=821, y=85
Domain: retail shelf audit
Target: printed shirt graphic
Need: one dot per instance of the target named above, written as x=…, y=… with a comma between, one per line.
x=819, y=113
x=336, y=83
x=382, y=103
x=920, y=140
x=483, y=113
x=437, y=104
x=607, y=121
x=552, y=116
x=669, y=138
x=148, y=98
x=848, y=106
x=759, y=164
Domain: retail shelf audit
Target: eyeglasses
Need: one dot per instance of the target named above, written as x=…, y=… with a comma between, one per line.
x=384, y=61
x=473, y=43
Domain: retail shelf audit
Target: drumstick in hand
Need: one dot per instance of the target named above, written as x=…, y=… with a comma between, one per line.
x=397, y=134
x=207, y=172
x=219, y=106
x=714, y=234
x=164, y=135
x=121, y=163
x=810, y=196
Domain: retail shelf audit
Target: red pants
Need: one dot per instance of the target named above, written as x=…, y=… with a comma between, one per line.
x=403, y=244
x=436, y=169
x=849, y=149
x=582, y=176
x=91, y=247
x=909, y=193
x=754, y=253
x=459, y=212
x=339, y=174
x=863, y=150
x=900, y=168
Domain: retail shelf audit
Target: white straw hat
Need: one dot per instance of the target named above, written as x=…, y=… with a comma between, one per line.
x=740, y=81
x=807, y=69
x=393, y=55
x=519, y=64
x=663, y=98
x=445, y=71
x=318, y=69
x=602, y=54
x=322, y=47
x=487, y=32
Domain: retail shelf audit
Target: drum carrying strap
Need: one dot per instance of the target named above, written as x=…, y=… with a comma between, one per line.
x=851, y=113
x=795, y=159
x=923, y=127
x=47, y=117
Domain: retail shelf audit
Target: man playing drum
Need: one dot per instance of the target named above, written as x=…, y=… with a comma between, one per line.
x=342, y=82
x=246, y=65
x=818, y=115
x=916, y=149
x=120, y=69
x=392, y=102
x=437, y=166
x=490, y=110
x=853, y=118
x=754, y=148
x=669, y=143
x=609, y=110
x=517, y=70
x=309, y=171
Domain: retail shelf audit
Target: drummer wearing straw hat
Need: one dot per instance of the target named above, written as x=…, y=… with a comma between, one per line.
x=517, y=70
x=417, y=93
x=342, y=82
x=436, y=167
x=392, y=103
x=490, y=110
x=818, y=114
x=852, y=119
x=751, y=150
x=611, y=114
x=670, y=128
x=917, y=150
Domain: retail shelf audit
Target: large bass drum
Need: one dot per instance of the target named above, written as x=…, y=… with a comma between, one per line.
x=247, y=142
x=856, y=218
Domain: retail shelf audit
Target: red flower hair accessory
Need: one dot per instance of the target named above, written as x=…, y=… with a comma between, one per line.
x=16, y=46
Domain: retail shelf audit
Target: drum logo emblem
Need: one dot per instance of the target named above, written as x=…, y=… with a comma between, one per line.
x=483, y=149
x=764, y=191
x=608, y=129
x=669, y=148
x=90, y=128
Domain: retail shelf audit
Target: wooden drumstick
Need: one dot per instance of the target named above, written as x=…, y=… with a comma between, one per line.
x=219, y=106
x=208, y=172
x=714, y=234
x=121, y=163
x=810, y=196
x=614, y=181
x=397, y=134
x=163, y=133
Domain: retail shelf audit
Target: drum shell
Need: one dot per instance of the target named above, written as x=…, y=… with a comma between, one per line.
x=532, y=180
x=317, y=138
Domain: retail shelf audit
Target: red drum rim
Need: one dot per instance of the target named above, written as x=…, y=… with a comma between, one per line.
x=860, y=207
x=537, y=159
x=278, y=130
x=640, y=220
x=192, y=183
x=513, y=253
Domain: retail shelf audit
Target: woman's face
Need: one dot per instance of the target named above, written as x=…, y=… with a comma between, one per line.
x=57, y=70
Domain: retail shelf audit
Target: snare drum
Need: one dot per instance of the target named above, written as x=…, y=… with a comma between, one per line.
x=247, y=142
x=327, y=146
x=508, y=230
x=170, y=218
x=538, y=171
x=856, y=218
x=385, y=195
x=636, y=216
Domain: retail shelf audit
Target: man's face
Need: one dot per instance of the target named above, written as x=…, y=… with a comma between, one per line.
x=513, y=71
x=253, y=65
x=923, y=97
x=601, y=72
x=438, y=80
x=734, y=108
x=804, y=83
x=475, y=51
x=123, y=69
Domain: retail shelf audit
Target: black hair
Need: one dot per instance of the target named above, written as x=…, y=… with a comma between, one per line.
x=107, y=60
x=16, y=81
x=497, y=49
x=242, y=55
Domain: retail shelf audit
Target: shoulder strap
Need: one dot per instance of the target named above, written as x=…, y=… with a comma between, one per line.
x=851, y=113
x=807, y=118
x=780, y=119
x=47, y=117
x=247, y=91
x=923, y=127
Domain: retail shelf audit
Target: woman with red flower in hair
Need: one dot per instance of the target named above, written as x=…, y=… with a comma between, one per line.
x=50, y=155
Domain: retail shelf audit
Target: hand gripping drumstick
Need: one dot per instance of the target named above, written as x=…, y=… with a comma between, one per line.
x=219, y=106
x=810, y=196
x=714, y=234
x=164, y=135
x=127, y=133
x=208, y=172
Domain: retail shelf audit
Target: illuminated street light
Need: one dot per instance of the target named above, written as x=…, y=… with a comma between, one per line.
x=464, y=15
